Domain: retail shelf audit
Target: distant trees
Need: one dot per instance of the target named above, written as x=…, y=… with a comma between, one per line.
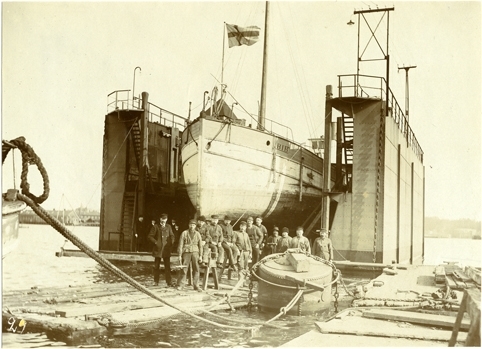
x=435, y=226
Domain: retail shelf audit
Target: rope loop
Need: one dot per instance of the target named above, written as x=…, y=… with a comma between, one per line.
x=28, y=158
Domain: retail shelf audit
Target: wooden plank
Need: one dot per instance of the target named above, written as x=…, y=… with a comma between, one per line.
x=70, y=331
x=450, y=282
x=299, y=262
x=473, y=273
x=356, y=325
x=460, y=285
x=417, y=318
x=80, y=310
x=34, y=290
x=160, y=313
x=459, y=275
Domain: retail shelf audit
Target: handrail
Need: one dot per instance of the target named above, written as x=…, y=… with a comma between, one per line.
x=396, y=112
x=283, y=126
x=119, y=100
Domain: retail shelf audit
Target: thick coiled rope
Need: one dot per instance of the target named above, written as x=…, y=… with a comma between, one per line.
x=28, y=158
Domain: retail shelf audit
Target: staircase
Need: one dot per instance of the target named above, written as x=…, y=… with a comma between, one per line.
x=348, y=133
x=127, y=220
x=136, y=140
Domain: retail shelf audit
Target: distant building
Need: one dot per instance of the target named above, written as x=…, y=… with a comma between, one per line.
x=79, y=216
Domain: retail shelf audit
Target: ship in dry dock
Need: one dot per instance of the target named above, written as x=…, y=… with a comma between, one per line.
x=370, y=196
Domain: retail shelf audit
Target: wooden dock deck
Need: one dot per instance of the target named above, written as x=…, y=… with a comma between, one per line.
x=401, y=307
x=77, y=315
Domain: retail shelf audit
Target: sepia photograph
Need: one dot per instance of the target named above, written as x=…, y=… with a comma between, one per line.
x=241, y=174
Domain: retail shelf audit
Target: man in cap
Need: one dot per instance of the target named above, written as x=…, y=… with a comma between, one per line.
x=323, y=247
x=300, y=241
x=273, y=241
x=189, y=248
x=216, y=235
x=229, y=242
x=202, y=228
x=163, y=238
x=243, y=242
x=262, y=247
x=284, y=242
x=256, y=238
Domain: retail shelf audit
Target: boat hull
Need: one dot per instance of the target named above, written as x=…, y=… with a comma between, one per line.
x=240, y=171
x=10, y=225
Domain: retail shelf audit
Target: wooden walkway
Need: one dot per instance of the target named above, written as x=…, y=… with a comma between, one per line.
x=76, y=315
x=387, y=311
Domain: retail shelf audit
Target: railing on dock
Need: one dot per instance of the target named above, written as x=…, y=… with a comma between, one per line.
x=368, y=86
x=121, y=100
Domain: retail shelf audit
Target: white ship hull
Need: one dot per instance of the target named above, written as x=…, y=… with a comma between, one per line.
x=239, y=171
x=10, y=225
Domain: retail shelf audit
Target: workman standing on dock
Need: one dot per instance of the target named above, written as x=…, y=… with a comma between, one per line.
x=189, y=248
x=216, y=235
x=202, y=228
x=229, y=243
x=323, y=247
x=263, y=248
x=284, y=242
x=300, y=241
x=243, y=242
x=272, y=242
x=256, y=238
x=163, y=239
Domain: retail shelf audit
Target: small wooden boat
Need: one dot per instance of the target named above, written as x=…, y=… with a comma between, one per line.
x=281, y=276
x=11, y=208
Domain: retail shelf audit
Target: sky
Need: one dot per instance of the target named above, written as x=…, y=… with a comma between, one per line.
x=61, y=60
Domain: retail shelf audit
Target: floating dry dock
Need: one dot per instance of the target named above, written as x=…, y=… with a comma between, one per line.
x=77, y=315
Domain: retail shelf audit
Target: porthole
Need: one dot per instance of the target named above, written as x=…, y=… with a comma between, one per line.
x=268, y=142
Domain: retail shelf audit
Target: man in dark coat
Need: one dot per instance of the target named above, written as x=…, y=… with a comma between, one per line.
x=163, y=238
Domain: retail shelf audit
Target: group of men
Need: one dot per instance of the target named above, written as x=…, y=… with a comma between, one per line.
x=206, y=239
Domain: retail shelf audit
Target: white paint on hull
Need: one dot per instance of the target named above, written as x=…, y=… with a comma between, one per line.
x=235, y=173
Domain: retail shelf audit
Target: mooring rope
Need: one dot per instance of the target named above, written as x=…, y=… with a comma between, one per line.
x=29, y=157
x=108, y=265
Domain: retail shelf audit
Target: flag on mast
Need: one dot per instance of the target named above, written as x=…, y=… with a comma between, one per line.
x=238, y=36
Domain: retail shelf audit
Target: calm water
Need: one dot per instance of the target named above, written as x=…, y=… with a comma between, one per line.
x=33, y=263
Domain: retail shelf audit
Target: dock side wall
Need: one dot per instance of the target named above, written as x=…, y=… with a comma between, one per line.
x=403, y=204
x=365, y=155
x=114, y=167
x=341, y=228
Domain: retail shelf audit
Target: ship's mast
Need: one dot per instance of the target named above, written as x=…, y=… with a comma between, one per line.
x=262, y=106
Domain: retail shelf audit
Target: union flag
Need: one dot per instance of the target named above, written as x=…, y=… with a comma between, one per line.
x=238, y=36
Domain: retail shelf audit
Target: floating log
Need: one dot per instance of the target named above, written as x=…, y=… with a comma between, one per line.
x=416, y=318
